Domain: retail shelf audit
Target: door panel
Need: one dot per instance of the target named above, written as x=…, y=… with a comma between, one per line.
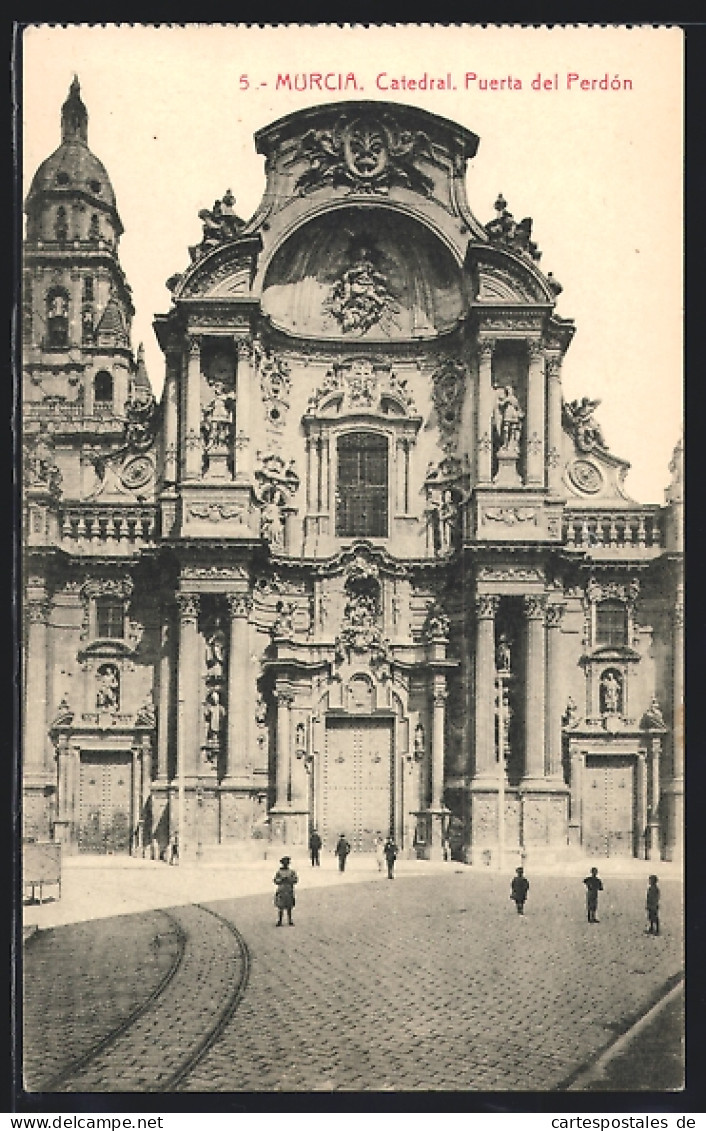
x=608, y=807
x=356, y=781
x=104, y=802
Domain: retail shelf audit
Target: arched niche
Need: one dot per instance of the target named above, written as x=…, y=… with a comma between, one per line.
x=371, y=273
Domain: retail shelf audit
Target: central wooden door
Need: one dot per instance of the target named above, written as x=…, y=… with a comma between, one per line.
x=104, y=802
x=357, y=782
x=609, y=807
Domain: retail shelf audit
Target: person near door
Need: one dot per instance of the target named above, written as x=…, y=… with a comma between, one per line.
x=518, y=890
x=379, y=844
x=285, y=879
x=174, y=849
x=652, y=906
x=593, y=886
x=390, y=851
x=315, y=848
x=341, y=851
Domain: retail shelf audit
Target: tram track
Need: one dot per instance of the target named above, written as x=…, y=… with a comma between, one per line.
x=164, y=1038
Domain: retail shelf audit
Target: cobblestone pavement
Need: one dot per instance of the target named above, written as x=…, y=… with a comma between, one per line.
x=424, y=983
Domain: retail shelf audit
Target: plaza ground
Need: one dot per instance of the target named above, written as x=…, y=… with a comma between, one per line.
x=430, y=982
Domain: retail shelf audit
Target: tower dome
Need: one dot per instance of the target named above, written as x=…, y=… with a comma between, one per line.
x=71, y=196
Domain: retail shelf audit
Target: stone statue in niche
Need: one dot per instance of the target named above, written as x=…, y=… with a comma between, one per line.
x=503, y=654
x=572, y=712
x=611, y=693
x=508, y=419
x=653, y=716
x=215, y=714
x=447, y=517
x=503, y=721
x=419, y=742
x=216, y=652
x=108, y=693
x=284, y=619
x=272, y=518
x=217, y=419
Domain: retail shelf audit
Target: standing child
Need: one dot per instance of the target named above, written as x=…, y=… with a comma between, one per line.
x=285, y=879
x=518, y=890
x=593, y=886
x=652, y=907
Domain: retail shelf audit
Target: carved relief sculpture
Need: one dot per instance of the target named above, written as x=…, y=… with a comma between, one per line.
x=220, y=225
x=108, y=692
x=448, y=387
x=581, y=423
x=367, y=154
x=276, y=484
x=511, y=234
x=361, y=297
x=611, y=693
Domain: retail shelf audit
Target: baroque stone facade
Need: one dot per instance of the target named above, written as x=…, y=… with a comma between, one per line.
x=361, y=567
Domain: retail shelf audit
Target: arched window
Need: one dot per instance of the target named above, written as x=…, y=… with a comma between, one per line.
x=362, y=485
x=611, y=623
x=58, y=318
x=103, y=389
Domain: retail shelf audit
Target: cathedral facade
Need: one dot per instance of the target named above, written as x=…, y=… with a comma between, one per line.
x=362, y=567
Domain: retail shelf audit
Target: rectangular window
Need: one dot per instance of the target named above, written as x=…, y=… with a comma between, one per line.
x=362, y=490
x=110, y=619
x=611, y=623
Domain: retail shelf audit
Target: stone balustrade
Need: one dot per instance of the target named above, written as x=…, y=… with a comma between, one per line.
x=105, y=524
x=630, y=529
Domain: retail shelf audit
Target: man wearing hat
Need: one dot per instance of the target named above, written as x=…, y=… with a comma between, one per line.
x=518, y=890
x=285, y=879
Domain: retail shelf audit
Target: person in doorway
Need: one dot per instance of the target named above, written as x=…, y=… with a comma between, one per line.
x=390, y=851
x=652, y=906
x=315, y=848
x=593, y=886
x=341, y=851
x=518, y=890
x=285, y=879
x=174, y=849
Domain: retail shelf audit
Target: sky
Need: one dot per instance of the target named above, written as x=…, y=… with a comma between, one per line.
x=173, y=109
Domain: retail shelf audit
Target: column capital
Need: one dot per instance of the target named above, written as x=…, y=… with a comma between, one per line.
x=284, y=696
x=195, y=345
x=244, y=347
x=535, y=349
x=188, y=605
x=553, y=366
x=38, y=609
x=239, y=604
x=486, y=347
x=555, y=614
x=535, y=606
x=486, y=605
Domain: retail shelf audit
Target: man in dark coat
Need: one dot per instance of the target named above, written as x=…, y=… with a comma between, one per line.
x=285, y=879
x=390, y=851
x=341, y=850
x=652, y=906
x=315, y=848
x=593, y=886
x=518, y=890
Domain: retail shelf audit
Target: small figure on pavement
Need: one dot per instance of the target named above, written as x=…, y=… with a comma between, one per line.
x=593, y=886
x=341, y=851
x=390, y=851
x=285, y=879
x=518, y=890
x=379, y=851
x=174, y=850
x=652, y=907
x=315, y=848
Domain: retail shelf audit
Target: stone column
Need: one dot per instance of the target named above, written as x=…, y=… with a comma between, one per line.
x=534, y=440
x=534, y=687
x=136, y=829
x=170, y=420
x=284, y=706
x=192, y=430
x=641, y=788
x=678, y=686
x=486, y=606
x=437, y=742
x=654, y=820
x=484, y=445
x=243, y=411
x=188, y=736
x=35, y=708
x=578, y=763
x=554, y=429
x=239, y=707
x=166, y=693
x=554, y=694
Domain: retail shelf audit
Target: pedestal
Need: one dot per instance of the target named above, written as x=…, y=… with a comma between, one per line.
x=507, y=474
x=289, y=827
